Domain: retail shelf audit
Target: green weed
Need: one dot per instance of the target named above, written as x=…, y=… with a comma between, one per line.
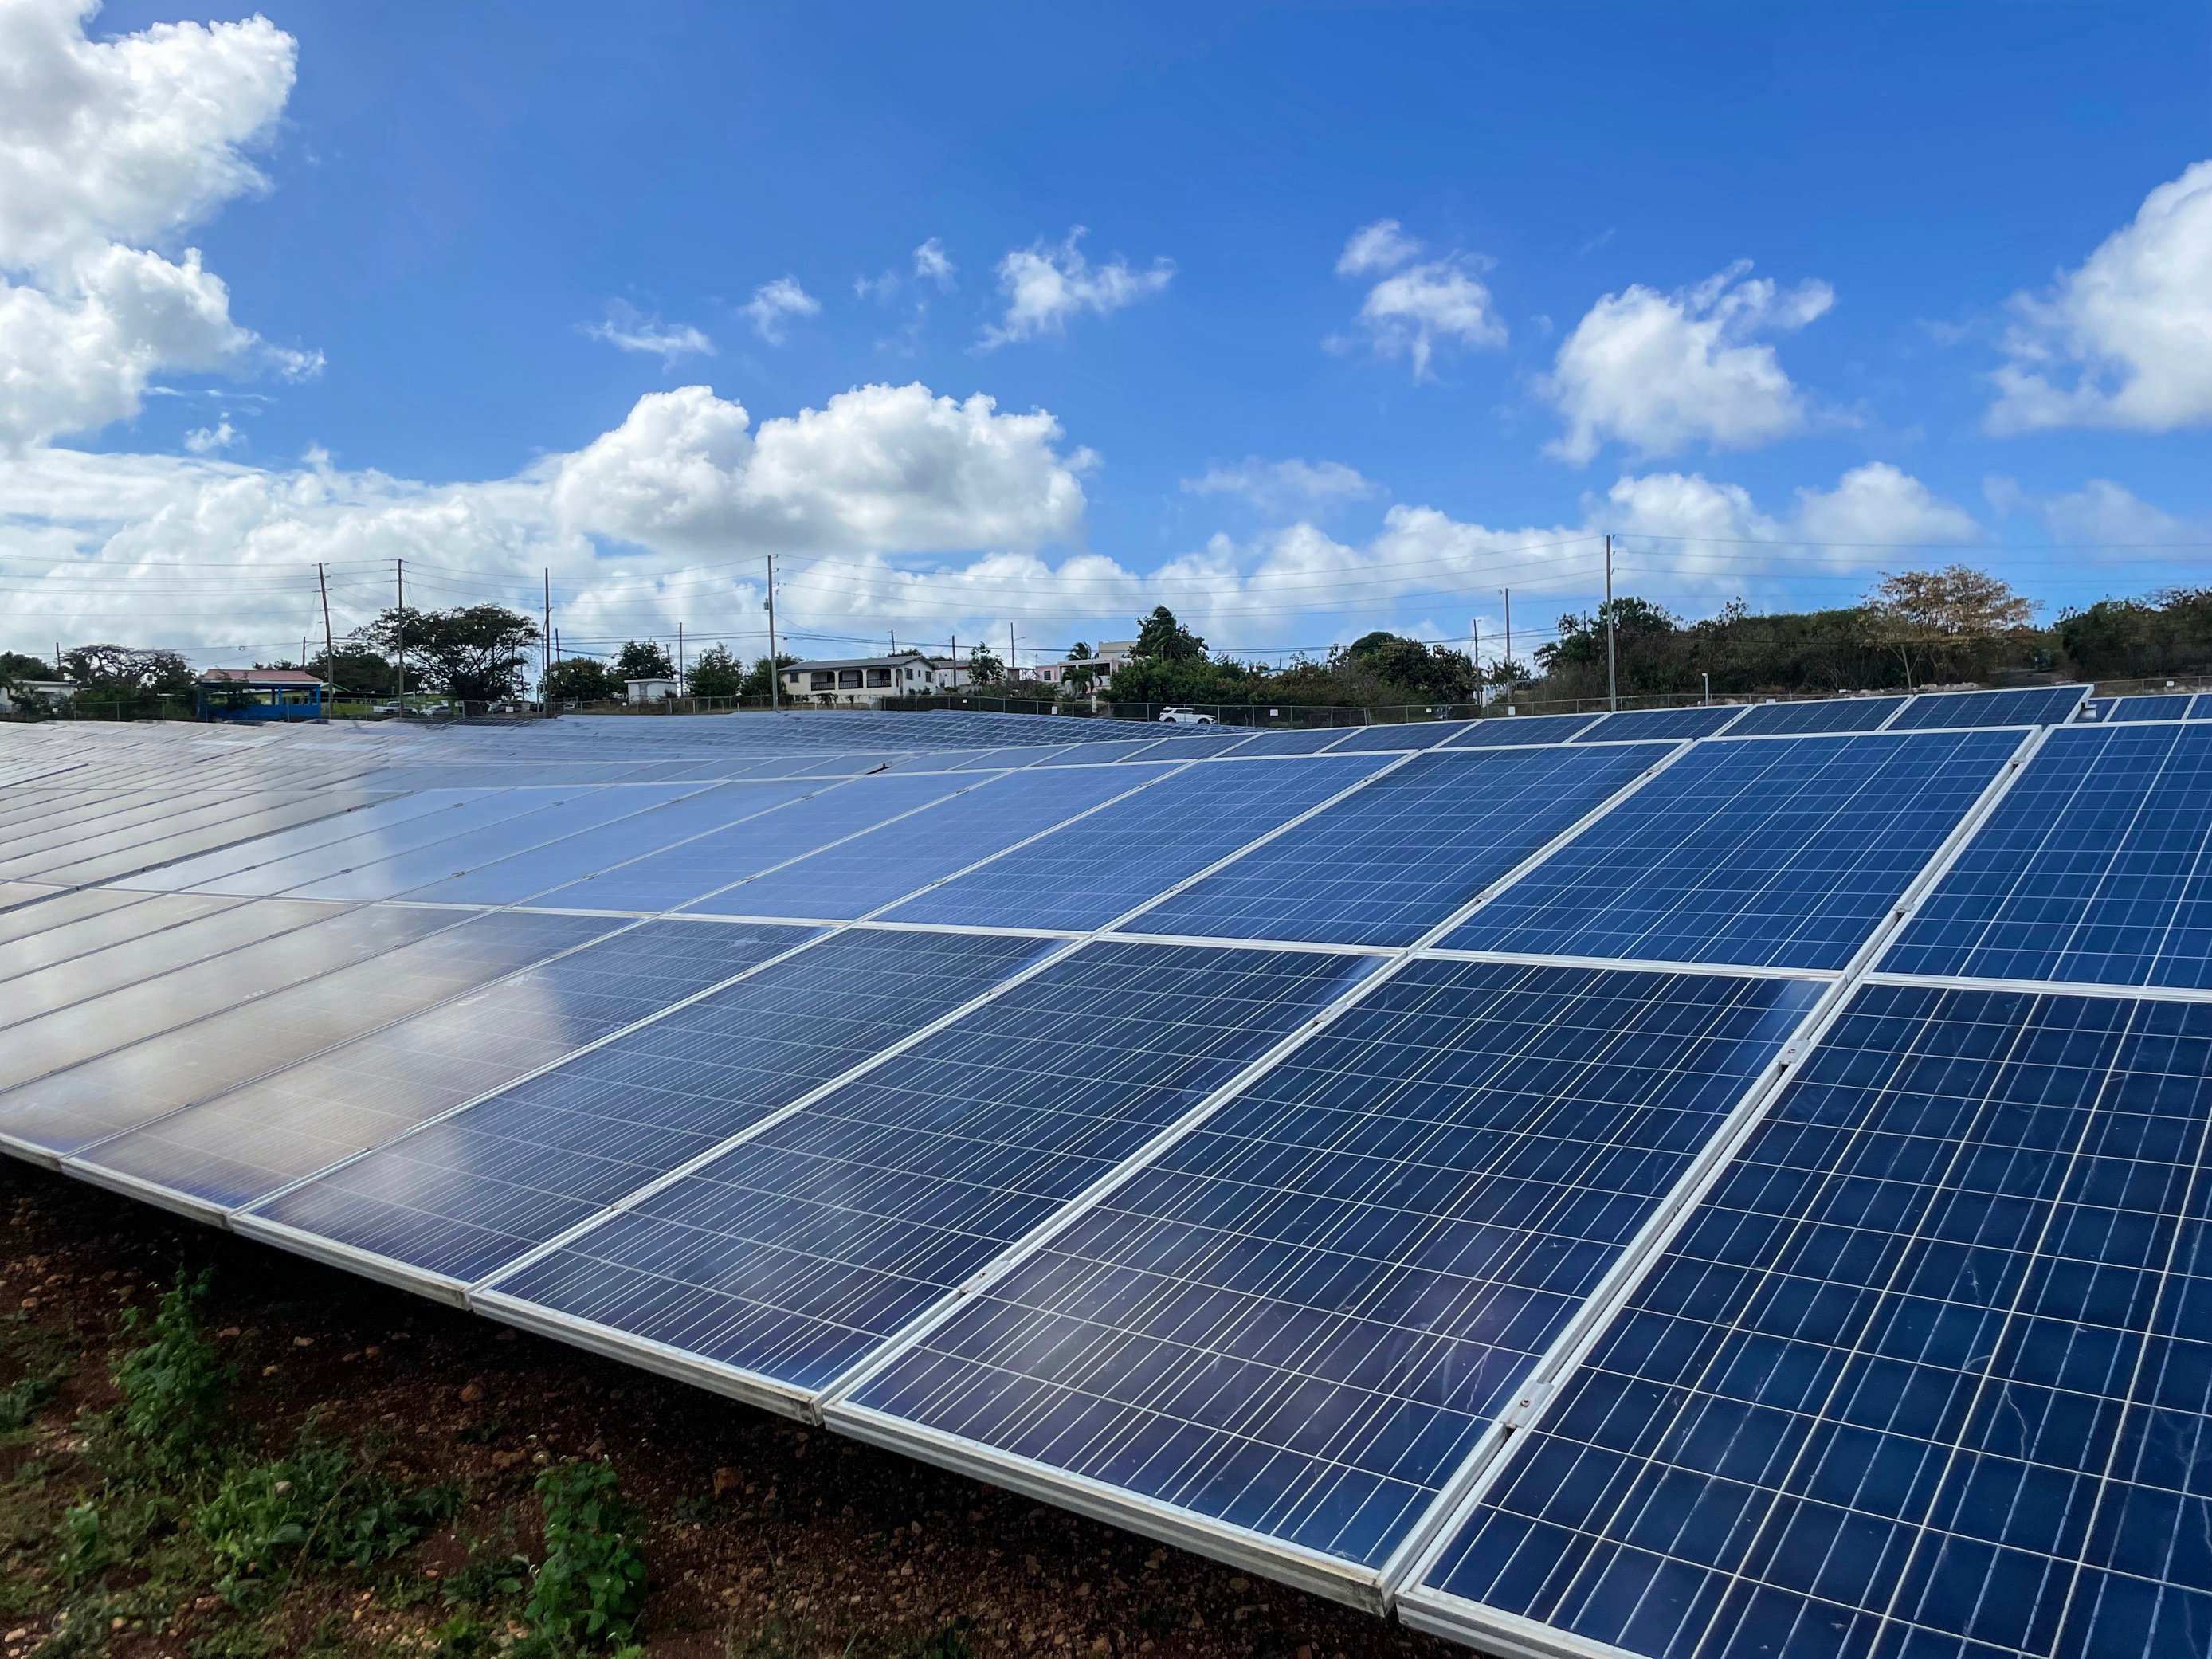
x=172, y=1383
x=587, y=1592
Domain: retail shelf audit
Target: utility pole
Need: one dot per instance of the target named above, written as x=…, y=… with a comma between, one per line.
x=545, y=653
x=775, y=667
x=1611, y=681
x=399, y=624
x=1475, y=643
x=1508, y=650
x=330, y=645
x=679, y=659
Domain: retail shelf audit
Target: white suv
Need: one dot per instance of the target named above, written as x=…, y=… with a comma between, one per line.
x=1186, y=717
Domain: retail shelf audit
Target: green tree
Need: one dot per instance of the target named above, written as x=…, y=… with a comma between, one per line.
x=360, y=672
x=120, y=671
x=760, y=679
x=1408, y=671
x=984, y=669
x=1161, y=635
x=474, y=653
x=643, y=660
x=16, y=667
x=582, y=680
x=716, y=674
x=1077, y=679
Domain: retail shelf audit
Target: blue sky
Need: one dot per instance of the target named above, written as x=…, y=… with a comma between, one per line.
x=1747, y=274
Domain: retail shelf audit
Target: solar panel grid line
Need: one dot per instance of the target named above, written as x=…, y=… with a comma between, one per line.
x=1488, y=1461
x=30, y=1151
x=977, y=864
x=2024, y=1288
x=828, y=786
x=488, y=1287
x=77, y=1162
x=1549, y=910
x=141, y=859
x=761, y=1386
x=1162, y=1141
x=15, y=963
x=656, y=1016
x=2043, y=1191
x=833, y=1406
x=1535, y=860
x=839, y=842
x=333, y=912
x=691, y=794
x=1257, y=841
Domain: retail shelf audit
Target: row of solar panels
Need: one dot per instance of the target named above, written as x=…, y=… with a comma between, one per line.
x=1258, y=1247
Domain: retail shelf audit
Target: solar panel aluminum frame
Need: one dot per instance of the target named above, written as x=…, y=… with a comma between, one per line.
x=1237, y=1546
x=1440, y=1613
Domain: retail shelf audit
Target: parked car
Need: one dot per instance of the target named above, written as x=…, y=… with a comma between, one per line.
x=1186, y=717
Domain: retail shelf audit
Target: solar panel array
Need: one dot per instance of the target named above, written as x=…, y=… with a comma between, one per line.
x=1710, y=1182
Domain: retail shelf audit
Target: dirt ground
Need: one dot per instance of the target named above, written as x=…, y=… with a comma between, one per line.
x=765, y=1539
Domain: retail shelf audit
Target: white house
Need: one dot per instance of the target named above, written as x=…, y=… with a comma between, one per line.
x=650, y=690
x=863, y=680
x=35, y=694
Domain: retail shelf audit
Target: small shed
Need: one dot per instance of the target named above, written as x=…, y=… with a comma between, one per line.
x=650, y=690
x=261, y=693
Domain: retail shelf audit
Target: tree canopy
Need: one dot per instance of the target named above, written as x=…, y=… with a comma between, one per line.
x=643, y=660
x=473, y=654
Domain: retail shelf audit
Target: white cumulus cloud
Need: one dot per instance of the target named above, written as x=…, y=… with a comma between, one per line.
x=2125, y=340
x=1417, y=306
x=879, y=468
x=627, y=329
x=213, y=440
x=130, y=140
x=104, y=144
x=78, y=358
x=1046, y=285
x=1661, y=372
x=773, y=305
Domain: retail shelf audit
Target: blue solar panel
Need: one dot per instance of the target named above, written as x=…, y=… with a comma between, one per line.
x=387, y=825
x=2200, y=706
x=1701, y=721
x=2042, y=705
x=1103, y=753
x=1769, y=852
x=249, y=1141
x=1083, y=876
x=1308, y=741
x=1300, y=1318
x=2174, y=707
x=464, y=1197
x=1386, y=865
x=524, y=875
x=794, y=1254
x=1410, y=734
x=1774, y=719
x=597, y=815
x=2093, y=867
x=871, y=871
x=114, y=1062
x=1925, y=1374
x=1200, y=747
x=1503, y=732
x=668, y=879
